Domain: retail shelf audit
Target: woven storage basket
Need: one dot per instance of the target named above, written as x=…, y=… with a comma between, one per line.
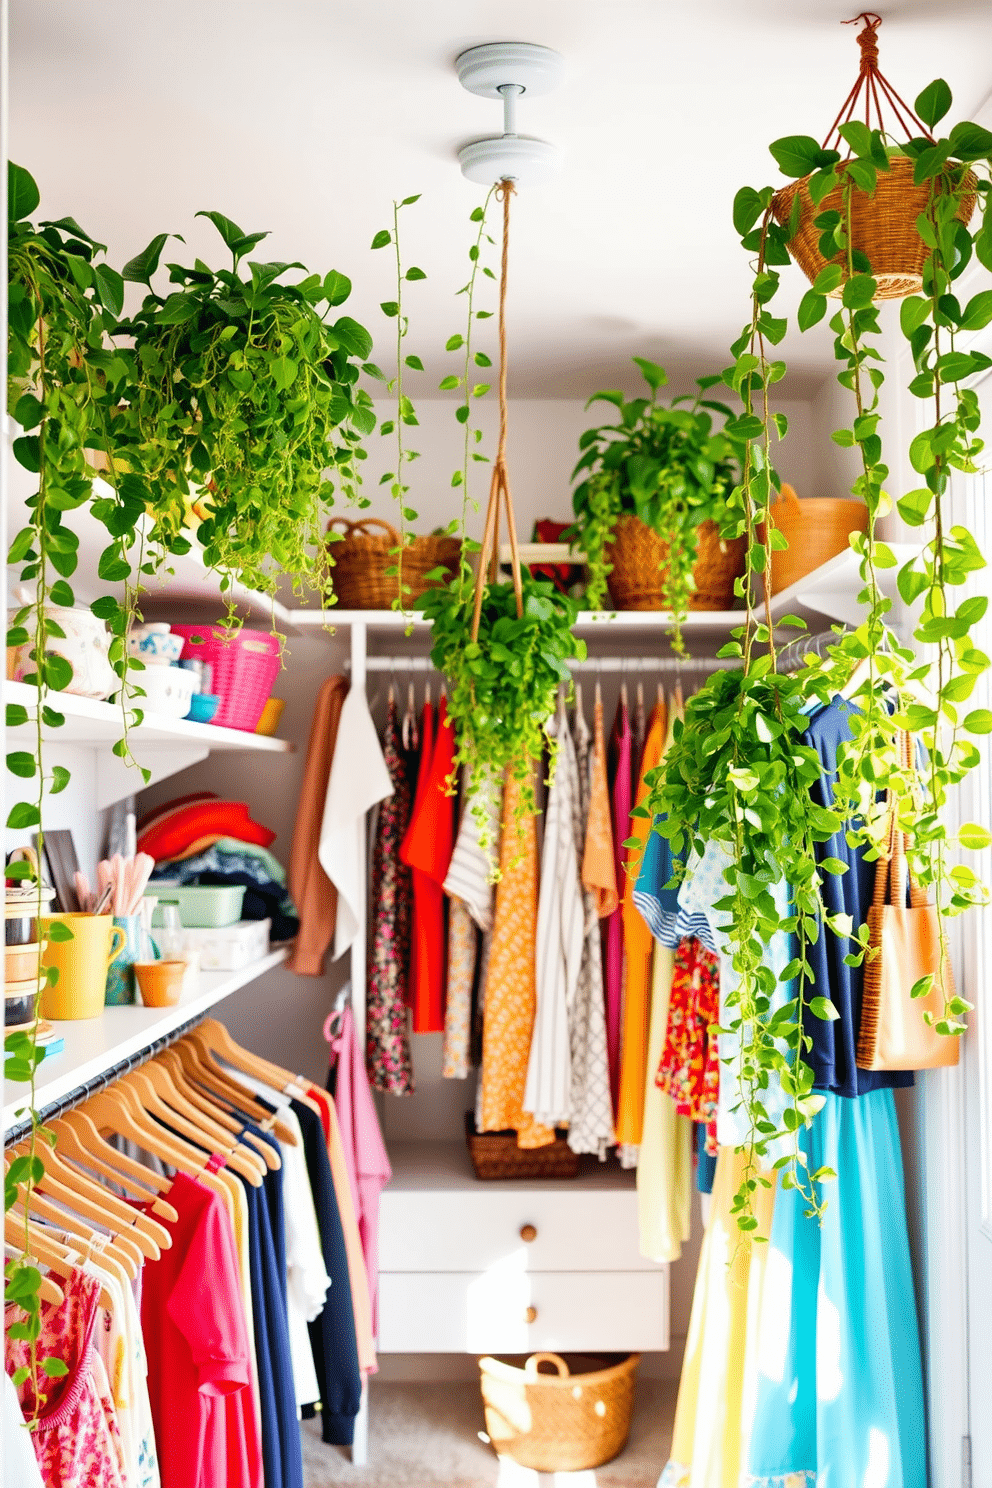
x=245, y=667
x=363, y=554
x=496, y=1155
x=570, y=1421
x=883, y=227
x=816, y=529
x=638, y=557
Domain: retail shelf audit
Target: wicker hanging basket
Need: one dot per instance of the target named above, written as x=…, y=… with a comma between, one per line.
x=639, y=557
x=883, y=220
x=883, y=227
x=816, y=529
x=570, y=1421
x=362, y=556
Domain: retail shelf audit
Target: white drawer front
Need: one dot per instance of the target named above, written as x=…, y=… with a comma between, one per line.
x=487, y=1312
x=477, y=1229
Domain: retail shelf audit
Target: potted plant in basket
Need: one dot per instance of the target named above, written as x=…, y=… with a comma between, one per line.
x=652, y=504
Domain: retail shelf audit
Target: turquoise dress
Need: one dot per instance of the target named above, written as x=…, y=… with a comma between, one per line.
x=838, y=1387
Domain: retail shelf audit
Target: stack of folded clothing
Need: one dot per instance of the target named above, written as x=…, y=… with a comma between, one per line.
x=201, y=839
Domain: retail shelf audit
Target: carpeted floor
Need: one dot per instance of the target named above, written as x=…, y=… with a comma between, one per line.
x=426, y=1435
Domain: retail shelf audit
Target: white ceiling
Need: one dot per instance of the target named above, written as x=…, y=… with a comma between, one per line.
x=308, y=116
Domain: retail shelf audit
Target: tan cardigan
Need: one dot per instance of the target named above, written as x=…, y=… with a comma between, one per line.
x=315, y=896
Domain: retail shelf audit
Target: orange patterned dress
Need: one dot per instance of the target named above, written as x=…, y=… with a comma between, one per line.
x=511, y=991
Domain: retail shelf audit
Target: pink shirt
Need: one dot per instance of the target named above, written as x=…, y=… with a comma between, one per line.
x=364, y=1150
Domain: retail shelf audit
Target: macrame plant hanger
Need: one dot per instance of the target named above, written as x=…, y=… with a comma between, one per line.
x=504, y=71
x=874, y=89
x=499, y=486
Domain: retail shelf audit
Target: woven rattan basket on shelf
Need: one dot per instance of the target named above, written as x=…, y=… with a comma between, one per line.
x=367, y=549
x=638, y=557
x=816, y=528
x=495, y=1155
x=570, y=1421
x=883, y=227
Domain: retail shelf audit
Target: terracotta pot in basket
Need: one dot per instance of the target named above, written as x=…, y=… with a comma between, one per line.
x=816, y=529
x=638, y=556
x=883, y=227
x=570, y=1421
x=362, y=556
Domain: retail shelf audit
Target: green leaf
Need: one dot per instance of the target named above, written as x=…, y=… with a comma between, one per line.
x=978, y=311
x=59, y=930
x=974, y=837
x=911, y=581
x=60, y=779
x=970, y=142
x=859, y=291
x=228, y=230
x=382, y=237
x=448, y=383
x=414, y=362
x=25, y=813
x=21, y=763
x=823, y=1008
x=408, y=201
x=653, y=375
x=800, y=154
x=16, y=715
x=454, y=342
x=828, y=279
x=977, y=722
x=353, y=338
x=23, y=195
x=55, y=1368
x=336, y=287
x=390, y=308
x=748, y=207
x=110, y=288
x=812, y=307
x=912, y=313
x=415, y=273
x=932, y=104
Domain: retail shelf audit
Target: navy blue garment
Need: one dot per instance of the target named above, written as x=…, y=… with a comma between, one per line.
x=282, y=1448
x=332, y=1334
x=832, y=1056
x=705, y=1163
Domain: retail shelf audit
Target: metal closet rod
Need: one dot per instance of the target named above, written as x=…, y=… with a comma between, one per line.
x=591, y=664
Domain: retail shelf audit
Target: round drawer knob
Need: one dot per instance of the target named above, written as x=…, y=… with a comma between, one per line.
x=530, y=1316
x=528, y=1233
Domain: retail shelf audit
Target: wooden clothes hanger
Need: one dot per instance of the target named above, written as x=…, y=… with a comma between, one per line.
x=42, y=1247
x=120, y=1248
x=78, y=1139
x=165, y=1086
x=201, y=1067
x=48, y=1290
x=154, y=1105
x=215, y=1037
x=212, y=1108
x=120, y=1111
x=91, y=1201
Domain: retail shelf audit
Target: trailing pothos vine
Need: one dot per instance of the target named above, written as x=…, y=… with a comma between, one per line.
x=738, y=773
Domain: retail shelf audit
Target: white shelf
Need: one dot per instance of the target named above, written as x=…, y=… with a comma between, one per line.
x=90, y=722
x=159, y=744
x=832, y=589
x=95, y=1045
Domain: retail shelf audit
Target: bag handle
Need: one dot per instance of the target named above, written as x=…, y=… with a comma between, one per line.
x=532, y=1366
x=892, y=869
x=362, y=527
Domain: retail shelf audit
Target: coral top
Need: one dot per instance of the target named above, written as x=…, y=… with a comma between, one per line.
x=638, y=944
x=427, y=849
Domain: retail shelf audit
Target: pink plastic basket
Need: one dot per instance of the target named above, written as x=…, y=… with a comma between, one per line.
x=245, y=667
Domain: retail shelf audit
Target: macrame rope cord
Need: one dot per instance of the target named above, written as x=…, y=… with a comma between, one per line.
x=871, y=81
x=499, y=486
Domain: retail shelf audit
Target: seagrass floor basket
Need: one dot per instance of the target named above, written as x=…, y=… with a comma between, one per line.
x=570, y=1421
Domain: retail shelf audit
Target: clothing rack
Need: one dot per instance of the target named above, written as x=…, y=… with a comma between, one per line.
x=591, y=664
x=102, y=1081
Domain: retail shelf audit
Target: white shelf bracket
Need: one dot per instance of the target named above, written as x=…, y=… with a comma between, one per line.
x=116, y=779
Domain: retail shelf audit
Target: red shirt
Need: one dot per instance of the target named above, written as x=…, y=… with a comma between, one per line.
x=196, y=1339
x=427, y=849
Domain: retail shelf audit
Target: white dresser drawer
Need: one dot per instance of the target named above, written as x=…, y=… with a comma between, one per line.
x=429, y=1312
x=476, y=1229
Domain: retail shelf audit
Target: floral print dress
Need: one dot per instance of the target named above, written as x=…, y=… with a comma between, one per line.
x=690, y=1064
x=387, y=1026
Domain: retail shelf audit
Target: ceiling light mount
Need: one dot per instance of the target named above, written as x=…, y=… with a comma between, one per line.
x=507, y=70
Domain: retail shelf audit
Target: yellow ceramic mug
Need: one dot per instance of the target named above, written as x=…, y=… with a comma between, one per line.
x=81, y=962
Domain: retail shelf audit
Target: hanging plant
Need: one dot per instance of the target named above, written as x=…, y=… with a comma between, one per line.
x=663, y=467
x=738, y=771
x=245, y=413
x=62, y=385
x=504, y=649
